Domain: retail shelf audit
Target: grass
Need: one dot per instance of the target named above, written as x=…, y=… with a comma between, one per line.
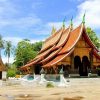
x=50, y=85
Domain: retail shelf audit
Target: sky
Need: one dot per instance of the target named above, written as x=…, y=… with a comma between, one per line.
x=34, y=19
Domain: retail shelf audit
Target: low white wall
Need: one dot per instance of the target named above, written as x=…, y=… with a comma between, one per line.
x=4, y=74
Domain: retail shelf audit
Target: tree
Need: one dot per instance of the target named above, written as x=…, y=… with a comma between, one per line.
x=37, y=46
x=24, y=52
x=8, y=49
x=93, y=37
x=1, y=44
x=11, y=72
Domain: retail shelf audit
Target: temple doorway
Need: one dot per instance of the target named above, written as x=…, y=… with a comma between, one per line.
x=78, y=64
x=86, y=65
x=37, y=69
x=82, y=66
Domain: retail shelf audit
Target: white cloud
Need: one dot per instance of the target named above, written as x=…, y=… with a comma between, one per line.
x=29, y=22
x=8, y=16
x=14, y=40
x=92, y=8
x=23, y=22
x=33, y=41
x=37, y=4
x=55, y=24
x=7, y=9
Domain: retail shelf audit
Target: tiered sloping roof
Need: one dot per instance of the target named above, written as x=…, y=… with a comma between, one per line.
x=52, y=40
x=57, y=59
x=68, y=47
x=51, y=47
x=48, y=46
x=60, y=45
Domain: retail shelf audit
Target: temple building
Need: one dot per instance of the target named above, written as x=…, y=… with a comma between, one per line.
x=67, y=48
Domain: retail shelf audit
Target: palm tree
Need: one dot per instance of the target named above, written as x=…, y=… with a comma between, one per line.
x=1, y=44
x=8, y=49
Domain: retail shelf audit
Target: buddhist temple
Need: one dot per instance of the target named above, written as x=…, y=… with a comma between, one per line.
x=68, y=48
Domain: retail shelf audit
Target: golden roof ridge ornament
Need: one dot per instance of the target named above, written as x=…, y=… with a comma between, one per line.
x=63, y=25
x=71, y=23
x=53, y=30
x=83, y=21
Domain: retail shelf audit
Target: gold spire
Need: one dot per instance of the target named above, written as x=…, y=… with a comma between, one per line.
x=64, y=23
x=83, y=21
x=53, y=30
x=71, y=22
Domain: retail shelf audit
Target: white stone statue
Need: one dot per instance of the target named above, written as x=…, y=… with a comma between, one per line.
x=42, y=80
x=63, y=82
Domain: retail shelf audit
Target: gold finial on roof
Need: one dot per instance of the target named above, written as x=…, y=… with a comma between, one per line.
x=83, y=21
x=64, y=23
x=53, y=30
x=71, y=22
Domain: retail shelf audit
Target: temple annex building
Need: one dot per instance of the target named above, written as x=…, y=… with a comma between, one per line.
x=68, y=48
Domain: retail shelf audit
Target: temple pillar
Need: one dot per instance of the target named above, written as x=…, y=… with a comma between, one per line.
x=29, y=70
x=72, y=61
x=55, y=69
x=91, y=58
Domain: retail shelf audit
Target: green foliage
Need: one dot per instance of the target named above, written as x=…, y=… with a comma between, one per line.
x=26, y=51
x=11, y=72
x=18, y=72
x=93, y=37
x=37, y=46
x=50, y=85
